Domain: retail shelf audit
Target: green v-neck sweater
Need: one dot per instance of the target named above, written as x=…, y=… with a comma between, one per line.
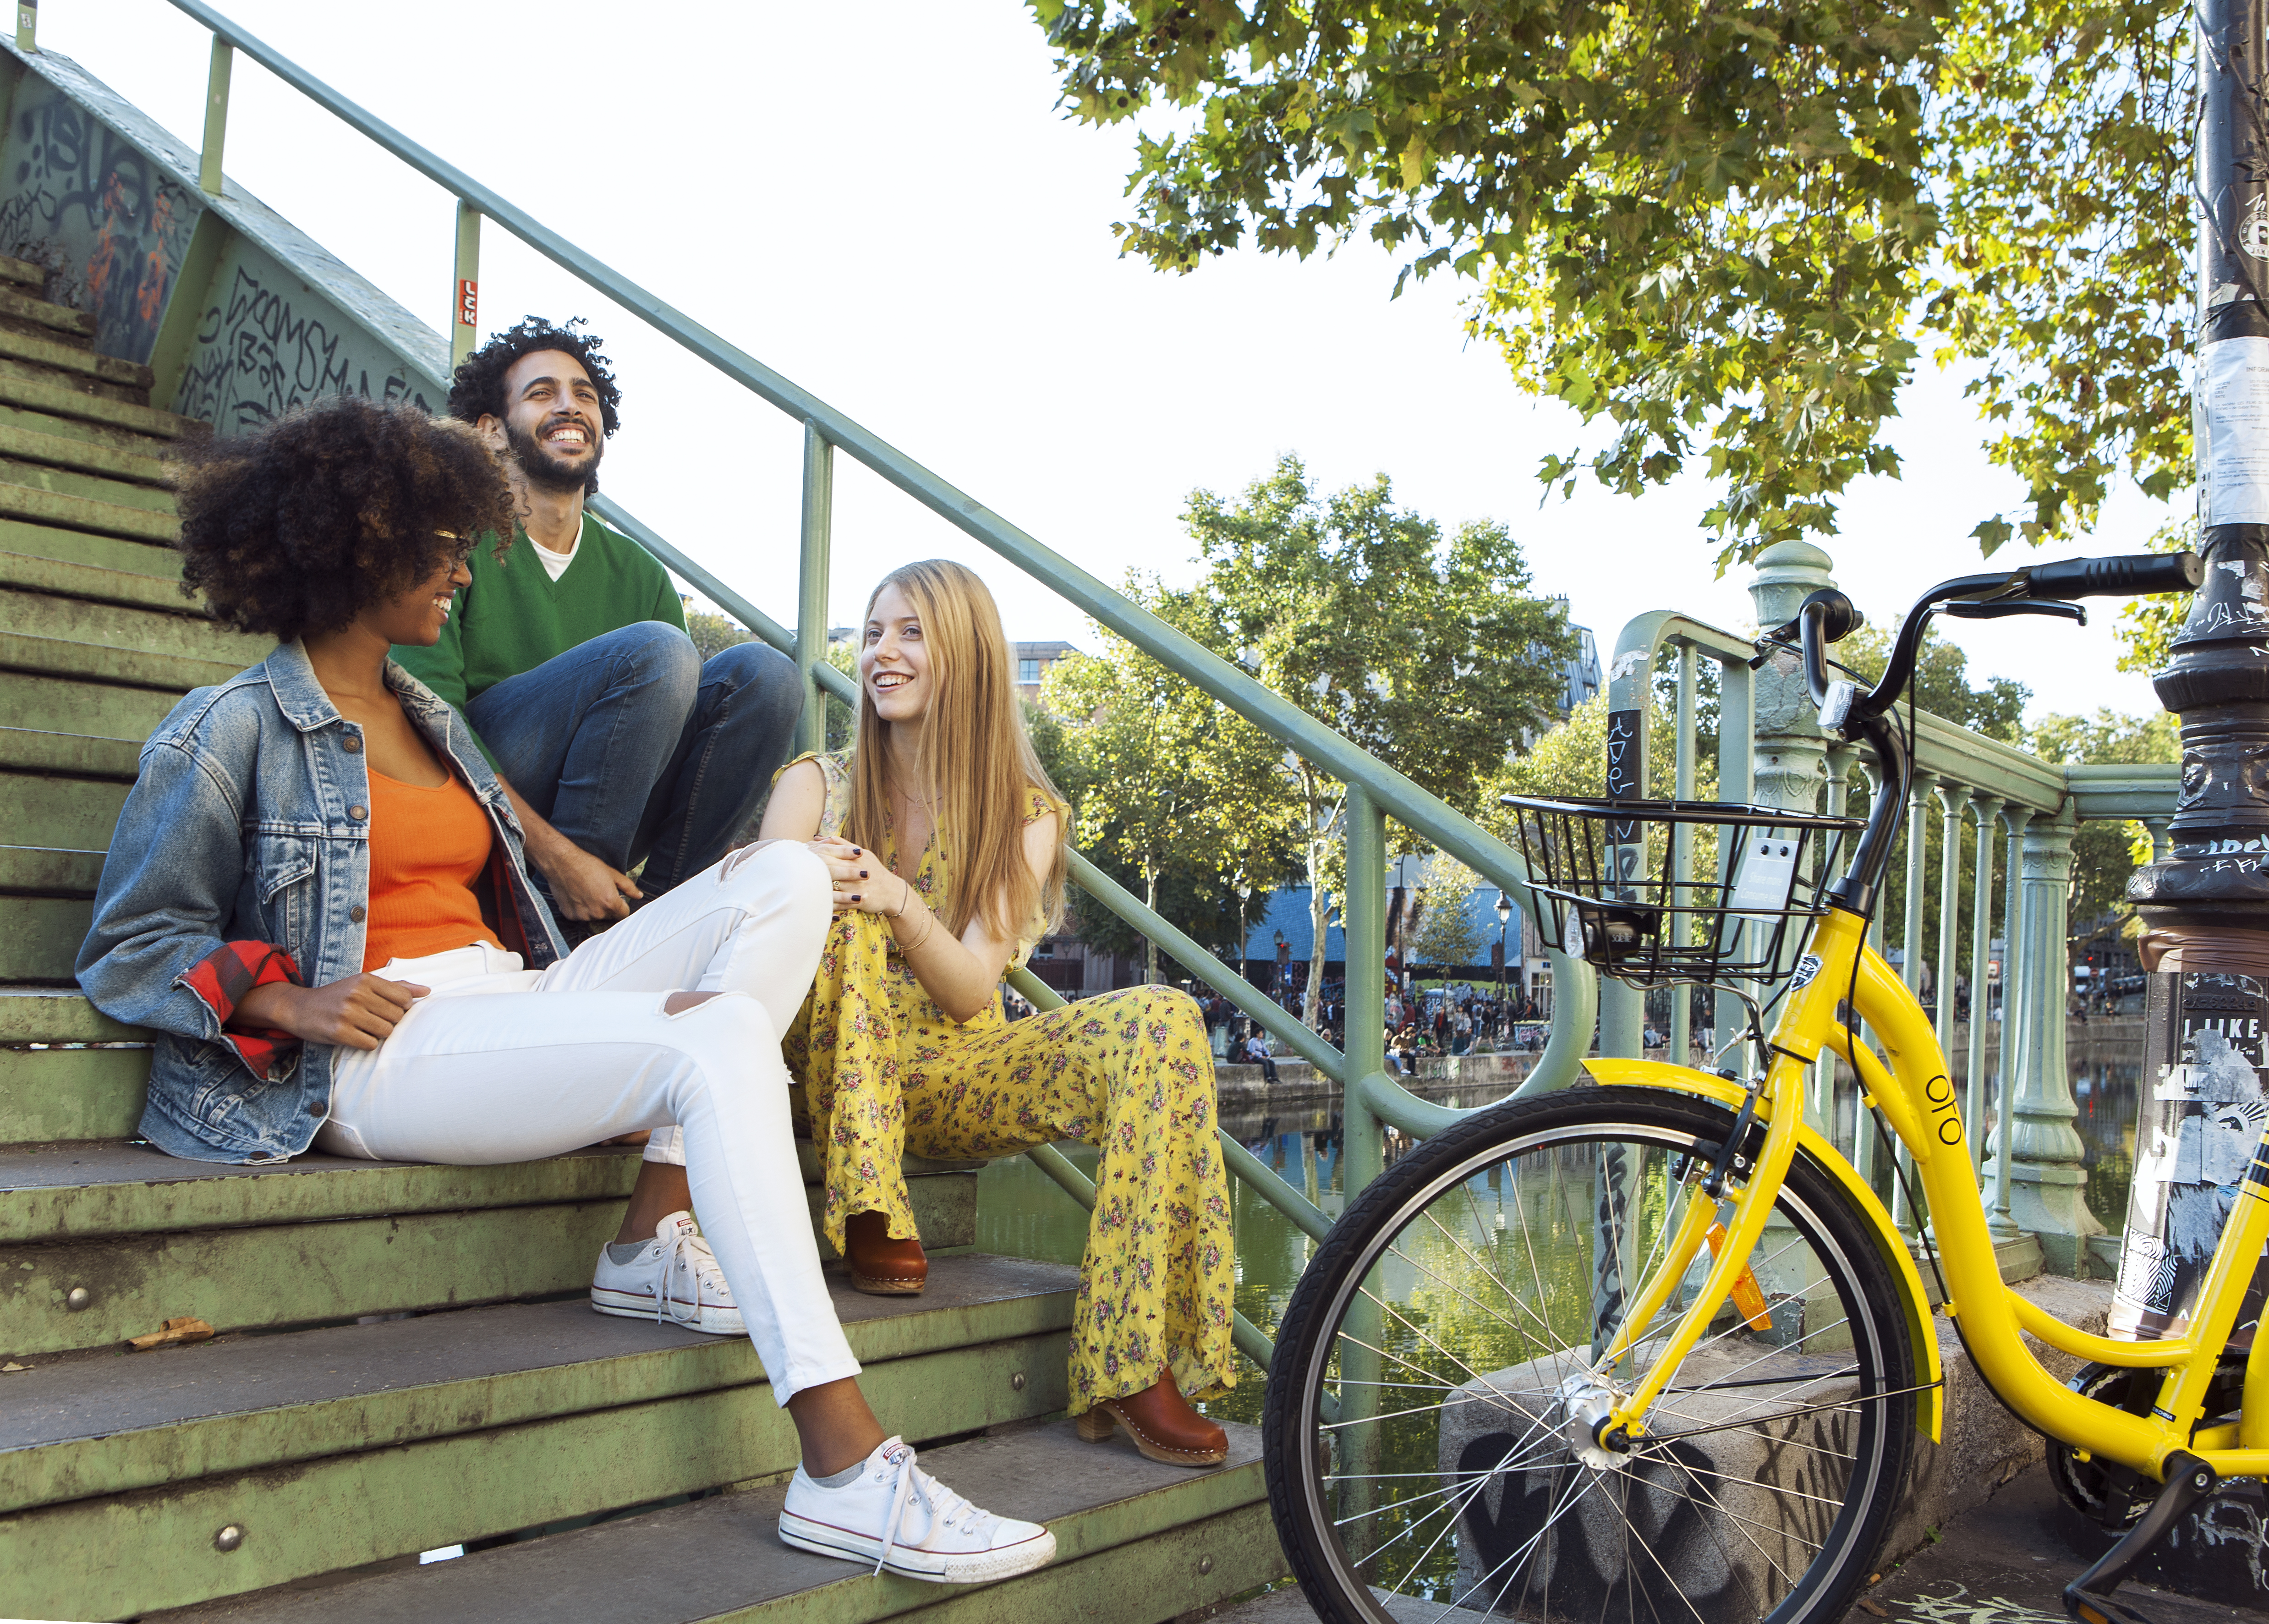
x=514, y=617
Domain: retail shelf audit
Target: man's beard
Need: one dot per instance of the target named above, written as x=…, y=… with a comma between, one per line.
x=540, y=468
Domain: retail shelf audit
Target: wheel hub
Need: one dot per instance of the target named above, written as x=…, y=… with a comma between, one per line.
x=1589, y=1402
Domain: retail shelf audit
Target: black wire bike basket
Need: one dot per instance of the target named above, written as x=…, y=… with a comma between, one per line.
x=1602, y=886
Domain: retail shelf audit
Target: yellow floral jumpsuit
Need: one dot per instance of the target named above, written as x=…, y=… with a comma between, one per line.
x=884, y=1070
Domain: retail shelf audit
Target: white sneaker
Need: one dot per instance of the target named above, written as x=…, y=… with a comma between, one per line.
x=899, y=1517
x=675, y=1278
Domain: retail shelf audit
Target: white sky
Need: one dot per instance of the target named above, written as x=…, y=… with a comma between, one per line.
x=882, y=203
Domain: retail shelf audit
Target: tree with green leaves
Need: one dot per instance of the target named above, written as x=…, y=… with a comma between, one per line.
x=1448, y=935
x=2104, y=854
x=1424, y=648
x=1165, y=780
x=1731, y=232
x=1942, y=681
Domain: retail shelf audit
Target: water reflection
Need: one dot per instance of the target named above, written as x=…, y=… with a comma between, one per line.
x=1021, y=1211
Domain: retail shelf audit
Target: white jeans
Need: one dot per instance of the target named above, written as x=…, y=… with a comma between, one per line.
x=502, y=1064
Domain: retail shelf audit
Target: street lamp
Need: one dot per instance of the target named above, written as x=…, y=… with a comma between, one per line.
x=1503, y=958
x=1244, y=901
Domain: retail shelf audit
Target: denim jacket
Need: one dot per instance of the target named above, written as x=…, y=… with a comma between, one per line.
x=248, y=830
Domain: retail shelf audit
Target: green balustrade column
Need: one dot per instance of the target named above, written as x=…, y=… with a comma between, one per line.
x=464, y=318
x=1985, y=808
x=2013, y=1017
x=1911, y=961
x=1682, y=845
x=1788, y=750
x=1822, y=1110
x=217, y=77
x=1363, y=918
x=811, y=583
x=2047, y=1182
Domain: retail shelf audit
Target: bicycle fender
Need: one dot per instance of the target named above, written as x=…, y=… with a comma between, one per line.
x=1921, y=1326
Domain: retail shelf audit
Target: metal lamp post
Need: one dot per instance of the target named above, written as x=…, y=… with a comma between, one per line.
x=2206, y=905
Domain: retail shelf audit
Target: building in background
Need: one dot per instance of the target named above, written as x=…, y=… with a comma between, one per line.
x=1032, y=662
x=1583, y=678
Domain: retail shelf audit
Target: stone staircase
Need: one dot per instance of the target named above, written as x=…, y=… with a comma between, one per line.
x=405, y=1362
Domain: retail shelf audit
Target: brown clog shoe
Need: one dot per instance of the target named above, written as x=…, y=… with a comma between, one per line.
x=1161, y=1422
x=881, y=1266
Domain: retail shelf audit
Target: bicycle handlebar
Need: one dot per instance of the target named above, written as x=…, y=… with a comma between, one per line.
x=1828, y=617
x=2125, y=576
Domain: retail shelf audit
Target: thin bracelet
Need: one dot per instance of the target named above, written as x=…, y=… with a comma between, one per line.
x=902, y=901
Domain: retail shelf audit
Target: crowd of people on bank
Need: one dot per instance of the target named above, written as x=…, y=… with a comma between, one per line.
x=460, y=874
x=1419, y=1026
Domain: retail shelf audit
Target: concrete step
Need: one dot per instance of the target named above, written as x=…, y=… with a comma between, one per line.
x=40, y=810
x=78, y=361
x=40, y=475
x=89, y=660
x=71, y=510
x=336, y=1447
x=44, y=871
x=27, y=312
x=69, y=564
x=40, y=938
x=58, y=717
x=38, y=436
x=23, y=273
x=1136, y=1543
x=126, y=627
x=74, y=754
x=144, y=1237
x=88, y=400
x=67, y=1072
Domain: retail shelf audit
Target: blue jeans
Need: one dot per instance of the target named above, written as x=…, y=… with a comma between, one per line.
x=634, y=748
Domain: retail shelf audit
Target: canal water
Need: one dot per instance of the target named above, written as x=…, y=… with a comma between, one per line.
x=1022, y=1211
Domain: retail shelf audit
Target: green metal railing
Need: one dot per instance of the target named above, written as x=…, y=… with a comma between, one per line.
x=1375, y=791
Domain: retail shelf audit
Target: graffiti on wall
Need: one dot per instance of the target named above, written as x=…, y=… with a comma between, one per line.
x=265, y=343
x=100, y=216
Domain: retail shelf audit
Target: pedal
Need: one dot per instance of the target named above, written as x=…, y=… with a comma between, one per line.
x=2088, y=1598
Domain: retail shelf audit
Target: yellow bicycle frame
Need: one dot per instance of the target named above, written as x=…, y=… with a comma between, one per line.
x=1911, y=1085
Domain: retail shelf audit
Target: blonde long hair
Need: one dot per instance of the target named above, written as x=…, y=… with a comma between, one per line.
x=978, y=768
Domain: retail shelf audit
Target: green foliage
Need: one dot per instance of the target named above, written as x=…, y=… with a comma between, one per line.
x=1729, y=231
x=713, y=634
x=2148, y=625
x=1426, y=649
x=1447, y=935
x=1171, y=788
x=2103, y=855
x=1942, y=685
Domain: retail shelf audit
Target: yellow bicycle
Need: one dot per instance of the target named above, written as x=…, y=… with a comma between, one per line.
x=1649, y=1349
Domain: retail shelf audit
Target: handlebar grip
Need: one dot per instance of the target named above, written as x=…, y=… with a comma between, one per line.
x=2128, y=576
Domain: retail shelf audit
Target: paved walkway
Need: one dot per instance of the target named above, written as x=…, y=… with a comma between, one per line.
x=2006, y=1562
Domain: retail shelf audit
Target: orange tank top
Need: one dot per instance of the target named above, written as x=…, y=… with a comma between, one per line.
x=428, y=847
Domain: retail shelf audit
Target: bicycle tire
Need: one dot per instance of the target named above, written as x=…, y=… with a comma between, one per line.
x=1304, y=1445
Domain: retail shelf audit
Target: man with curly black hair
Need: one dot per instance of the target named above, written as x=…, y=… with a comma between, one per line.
x=568, y=656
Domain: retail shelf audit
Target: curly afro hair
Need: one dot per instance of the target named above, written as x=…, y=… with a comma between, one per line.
x=339, y=504
x=477, y=389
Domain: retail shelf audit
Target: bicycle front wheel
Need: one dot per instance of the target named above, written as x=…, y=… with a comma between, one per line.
x=1426, y=1420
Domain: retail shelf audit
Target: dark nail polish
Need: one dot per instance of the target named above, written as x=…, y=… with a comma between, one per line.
x=862, y=874
x=856, y=899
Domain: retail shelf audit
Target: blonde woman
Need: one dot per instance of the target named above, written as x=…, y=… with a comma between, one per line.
x=946, y=842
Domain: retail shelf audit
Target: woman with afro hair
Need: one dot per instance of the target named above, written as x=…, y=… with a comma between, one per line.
x=317, y=898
